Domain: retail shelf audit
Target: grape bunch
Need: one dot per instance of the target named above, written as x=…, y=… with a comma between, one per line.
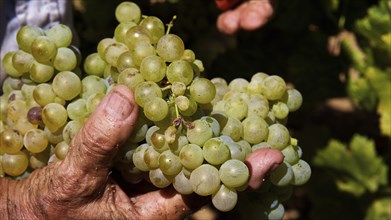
x=192, y=133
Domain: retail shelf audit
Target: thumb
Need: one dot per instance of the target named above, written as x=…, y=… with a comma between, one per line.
x=96, y=143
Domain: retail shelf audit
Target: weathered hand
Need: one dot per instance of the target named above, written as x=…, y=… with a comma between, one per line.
x=82, y=186
x=249, y=15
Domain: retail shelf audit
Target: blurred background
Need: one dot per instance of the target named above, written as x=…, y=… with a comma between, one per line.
x=337, y=53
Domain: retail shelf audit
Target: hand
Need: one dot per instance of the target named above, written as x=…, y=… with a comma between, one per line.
x=82, y=186
x=249, y=15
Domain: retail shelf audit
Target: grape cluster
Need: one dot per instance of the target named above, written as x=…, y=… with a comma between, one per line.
x=192, y=132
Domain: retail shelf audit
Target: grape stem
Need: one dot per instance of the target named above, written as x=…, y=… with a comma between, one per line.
x=170, y=25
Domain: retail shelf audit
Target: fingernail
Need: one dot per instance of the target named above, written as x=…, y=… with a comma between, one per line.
x=118, y=105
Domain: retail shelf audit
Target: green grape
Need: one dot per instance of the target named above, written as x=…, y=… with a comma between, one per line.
x=125, y=61
x=170, y=47
x=10, y=141
x=179, y=142
x=151, y=130
x=234, y=173
x=91, y=85
x=8, y=65
x=43, y=49
x=140, y=51
x=121, y=29
x=22, y=125
x=261, y=145
x=65, y=59
x=180, y=71
x=202, y=90
x=205, y=180
x=136, y=35
x=255, y=129
x=138, y=157
x=280, y=110
x=283, y=175
x=102, y=45
x=70, y=130
x=145, y=91
x=181, y=184
x=293, y=99
x=151, y=158
x=130, y=77
x=213, y=123
x=156, y=109
x=128, y=12
x=221, y=88
x=14, y=164
x=26, y=35
x=199, y=132
x=35, y=140
x=16, y=109
x=169, y=163
x=186, y=106
x=153, y=68
x=236, y=151
x=53, y=137
x=225, y=199
x=198, y=67
x=60, y=34
x=155, y=27
x=258, y=77
x=40, y=72
x=273, y=87
x=158, y=141
x=236, y=108
x=94, y=65
x=178, y=88
x=188, y=55
x=43, y=94
x=113, y=51
x=54, y=116
x=245, y=146
x=191, y=156
x=258, y=105
x=159, y=179
x=216, y=151
x=22, y=61
x=93, y=101
x=77, y=110
x=112, y=72
x=233, y=128
x=3, y=108
x=301, y=173
x=278, y=136
x=290, y=154
x=66, y=85
x=27, y=92
x=277, y=213
x=238, y=85
x=39, y=160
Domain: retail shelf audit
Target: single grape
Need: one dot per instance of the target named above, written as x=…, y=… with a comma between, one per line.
x=8, y=65
x=153, y=68
x=40, y=72
x=43, y=49
x=138, y=157
x=60, y=34
x=225, y=198
x=54, y=116
x=202, y=90
x=66, y=85
x=70, y=130
x=130, y=77
x=216, y=151
x=145, y=91
x=273, y=87
x=278, y=136
x=169, y=163
x=43, y=94
x=170, y=47
x=128, y=12
x=26, y=35
x=14, y=164
x=205, y=180
x=35, y=140
x=22, y=61
x=301, y=173
x=94, y=65
x=255, y=129
x=234, y=173
x=191, y=156
x=180, y=71
x=10, y=141
x=159, y=179
x=181, y=184
x=155, y=27
x=156, y=109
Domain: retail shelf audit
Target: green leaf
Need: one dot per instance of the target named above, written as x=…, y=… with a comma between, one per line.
x=381, y=82
x=357, y=168
x=380, y=210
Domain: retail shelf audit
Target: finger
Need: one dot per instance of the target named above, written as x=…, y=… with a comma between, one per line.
x=261, y=163
x=168, y=204
x=255, y=14
x=228, y=22
x=96, y=143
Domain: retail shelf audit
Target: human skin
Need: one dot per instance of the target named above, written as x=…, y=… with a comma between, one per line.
x=83, y=187
x=248, y=16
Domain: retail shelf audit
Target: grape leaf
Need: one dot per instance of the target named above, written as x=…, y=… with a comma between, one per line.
x=357, y=168
x=379, y=209
x=381, y=82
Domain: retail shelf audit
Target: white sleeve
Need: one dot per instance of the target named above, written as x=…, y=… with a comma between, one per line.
x=43, y=13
